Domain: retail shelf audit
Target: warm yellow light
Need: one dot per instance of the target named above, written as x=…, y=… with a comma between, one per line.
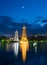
x=24, y=48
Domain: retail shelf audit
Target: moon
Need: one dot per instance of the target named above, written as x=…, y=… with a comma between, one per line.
x=22, y=7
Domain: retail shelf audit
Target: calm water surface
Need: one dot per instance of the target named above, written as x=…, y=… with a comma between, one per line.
x=39, y=58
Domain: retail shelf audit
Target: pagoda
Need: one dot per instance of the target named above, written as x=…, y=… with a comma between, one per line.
x=16, y=43
x=24, y=44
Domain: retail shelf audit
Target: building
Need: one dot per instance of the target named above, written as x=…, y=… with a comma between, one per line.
x=24, y=45
x=15, y=44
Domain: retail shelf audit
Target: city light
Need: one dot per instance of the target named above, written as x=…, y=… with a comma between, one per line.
x=35, y=46
x=15, y=44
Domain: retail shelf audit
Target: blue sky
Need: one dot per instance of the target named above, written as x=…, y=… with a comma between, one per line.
x=32, y=11
x=24, y=9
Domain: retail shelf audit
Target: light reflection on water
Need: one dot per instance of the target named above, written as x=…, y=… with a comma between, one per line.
x=33, y=47
x=39, y=58
x=16, y=48
x=41, y=46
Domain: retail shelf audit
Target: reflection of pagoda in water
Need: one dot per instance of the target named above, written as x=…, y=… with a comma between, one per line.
x=24, y=46
x=16, y=43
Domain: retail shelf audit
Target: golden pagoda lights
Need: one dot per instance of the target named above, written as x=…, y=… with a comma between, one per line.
x=24, y=45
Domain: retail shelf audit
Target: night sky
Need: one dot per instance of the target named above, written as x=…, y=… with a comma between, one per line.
x=34, y=11
x=28, y=9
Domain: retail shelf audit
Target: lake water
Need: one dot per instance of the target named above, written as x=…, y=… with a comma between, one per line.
x=38, y=58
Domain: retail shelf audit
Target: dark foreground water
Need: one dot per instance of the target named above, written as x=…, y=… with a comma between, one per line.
x=8, y=58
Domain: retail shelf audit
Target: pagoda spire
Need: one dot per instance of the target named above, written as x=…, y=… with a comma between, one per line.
x=24, y=46
x=16, y=38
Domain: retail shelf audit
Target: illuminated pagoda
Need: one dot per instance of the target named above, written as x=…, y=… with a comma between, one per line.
x=16, y=43
x=24, y=45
